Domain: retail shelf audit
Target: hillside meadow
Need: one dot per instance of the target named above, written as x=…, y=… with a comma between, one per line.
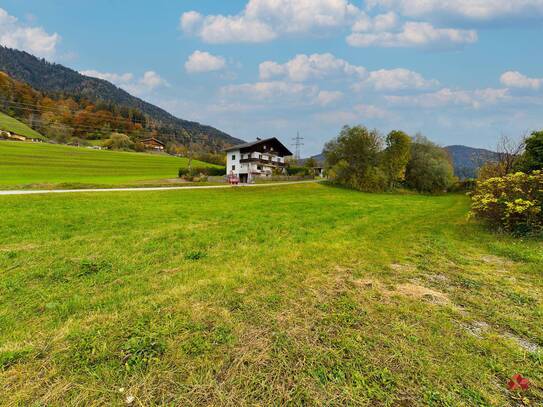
x=10, y=124
x=40, y=165
x=301, y=294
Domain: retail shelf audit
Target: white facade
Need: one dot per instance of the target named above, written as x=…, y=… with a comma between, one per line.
x=248, y=164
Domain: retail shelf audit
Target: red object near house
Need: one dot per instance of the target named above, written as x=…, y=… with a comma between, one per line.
x=233, y=179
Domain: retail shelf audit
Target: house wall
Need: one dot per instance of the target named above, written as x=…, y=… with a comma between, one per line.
x=232, y=159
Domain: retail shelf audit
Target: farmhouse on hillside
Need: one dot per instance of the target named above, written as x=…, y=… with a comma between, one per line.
x=153, y=144
x=261, y=158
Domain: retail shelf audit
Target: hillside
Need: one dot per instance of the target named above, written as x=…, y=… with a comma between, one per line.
x=39, y=163
x=12, y=125
x=467, y=160
x=54, y=78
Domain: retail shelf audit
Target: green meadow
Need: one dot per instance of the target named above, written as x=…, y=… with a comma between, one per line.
x=10, y=124
x=57, y=166
x=300, y=294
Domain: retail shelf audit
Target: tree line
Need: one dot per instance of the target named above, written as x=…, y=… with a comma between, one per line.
x=364, y=159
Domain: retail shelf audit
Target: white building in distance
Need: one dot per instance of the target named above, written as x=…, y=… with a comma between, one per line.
x=261, y=158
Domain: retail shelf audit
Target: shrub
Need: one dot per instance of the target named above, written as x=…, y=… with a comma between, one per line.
x=297, y=170
x=512, y=203
x=201, y=171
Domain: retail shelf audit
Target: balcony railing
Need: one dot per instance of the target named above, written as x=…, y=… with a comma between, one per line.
x=261, y=161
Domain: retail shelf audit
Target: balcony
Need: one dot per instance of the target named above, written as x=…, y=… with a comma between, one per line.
x=261, y=161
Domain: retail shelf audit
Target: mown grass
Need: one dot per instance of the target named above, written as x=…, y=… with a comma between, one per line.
x=301, y=294
x=46, y=165
x=13, y=125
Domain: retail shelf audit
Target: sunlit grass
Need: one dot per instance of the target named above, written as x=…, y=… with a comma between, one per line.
x=300, y=294
x=23, y=164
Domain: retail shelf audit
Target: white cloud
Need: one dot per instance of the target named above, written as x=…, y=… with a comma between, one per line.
x=190, y=21
x=265, y=20
x=379, y=23
x=127, y=81
x=200, y=61
x=115, y=78
x=397, y=79
x=448, y=97
x=471, y=10
x=270, y=91
x=514, y=79
x=327, y=97
x=413, y=34
x=35, y=40
x=304, y=67
x=355, y=115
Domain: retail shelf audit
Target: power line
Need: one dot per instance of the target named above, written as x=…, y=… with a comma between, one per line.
x=297, y=144
x=44, y=109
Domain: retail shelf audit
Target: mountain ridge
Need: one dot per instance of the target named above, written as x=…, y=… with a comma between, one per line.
x=56, y=78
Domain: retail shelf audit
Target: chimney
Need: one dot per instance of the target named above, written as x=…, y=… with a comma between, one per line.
x=258, y=139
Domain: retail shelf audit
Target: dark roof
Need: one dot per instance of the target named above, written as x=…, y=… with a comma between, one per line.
x=153, y=139
x=281, y=147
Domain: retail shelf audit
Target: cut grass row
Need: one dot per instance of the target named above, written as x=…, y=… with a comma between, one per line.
x=300, y=294
x=48, y=165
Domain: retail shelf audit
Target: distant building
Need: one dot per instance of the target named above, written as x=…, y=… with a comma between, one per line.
x=12, y=136
x=260, y=158
x=153, y=144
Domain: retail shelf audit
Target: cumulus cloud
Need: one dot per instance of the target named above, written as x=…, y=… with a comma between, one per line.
x=271, y=90
x=397, y=79
x=265, y=20
x=467, y=10
x=127, y=81
x=413, y=34
x=200, y=61
x=327, y=97
x=304, y=67
x=514, y=79
x=355, y=115
x=449, y=97
x=35, y=40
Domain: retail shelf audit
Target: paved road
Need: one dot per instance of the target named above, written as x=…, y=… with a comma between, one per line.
x=71, y=191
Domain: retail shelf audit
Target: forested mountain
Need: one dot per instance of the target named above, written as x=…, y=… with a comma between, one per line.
x=57, y=81
x=467, y=160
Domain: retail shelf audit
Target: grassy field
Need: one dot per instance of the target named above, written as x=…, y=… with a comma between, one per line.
x=303, y=294
x=48, y=165
x=10, y=124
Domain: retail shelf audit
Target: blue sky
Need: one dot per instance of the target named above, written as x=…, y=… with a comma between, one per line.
x=460, y=72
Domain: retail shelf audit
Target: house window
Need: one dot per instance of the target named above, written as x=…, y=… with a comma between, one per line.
x=233, y=158
x=233, y=168
x=264, y=147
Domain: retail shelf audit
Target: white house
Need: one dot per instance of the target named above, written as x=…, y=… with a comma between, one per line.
x=260, y=158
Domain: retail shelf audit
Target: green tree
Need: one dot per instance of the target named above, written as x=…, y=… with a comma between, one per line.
x=532, y=159
x=353, y=158
x=119, y=141
x=396, y=156
x=430, y=168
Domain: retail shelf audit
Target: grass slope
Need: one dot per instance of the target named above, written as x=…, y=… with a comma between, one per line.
x=299, y=294
x=12, y=125
x=31, y=163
